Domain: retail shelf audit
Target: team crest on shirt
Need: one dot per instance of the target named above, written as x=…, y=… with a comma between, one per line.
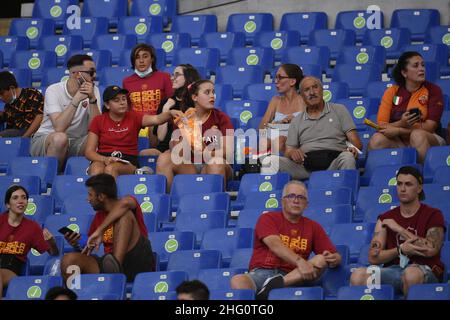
x=294, y=232
x=85, y=103
x=423, y=100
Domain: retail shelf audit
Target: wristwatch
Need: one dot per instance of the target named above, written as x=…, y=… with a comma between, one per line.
x=93, y=101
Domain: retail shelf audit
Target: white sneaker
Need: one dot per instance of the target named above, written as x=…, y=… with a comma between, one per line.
x=270, y=283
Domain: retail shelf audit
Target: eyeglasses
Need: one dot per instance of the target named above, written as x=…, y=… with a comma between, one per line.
x=89, y=72
x=298, y=197
x=176, y=75
x=279, y=78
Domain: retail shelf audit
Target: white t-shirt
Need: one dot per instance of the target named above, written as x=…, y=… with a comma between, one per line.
x=57, y=99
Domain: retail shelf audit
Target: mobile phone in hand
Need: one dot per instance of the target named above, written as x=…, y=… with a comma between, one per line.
x=415, y=111
x=65, y=230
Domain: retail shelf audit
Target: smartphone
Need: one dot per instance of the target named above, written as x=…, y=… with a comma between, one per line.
x=415, y=111
x=65, y=230
x=82, y=80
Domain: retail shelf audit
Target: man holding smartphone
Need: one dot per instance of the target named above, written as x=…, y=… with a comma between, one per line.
x=69, y=107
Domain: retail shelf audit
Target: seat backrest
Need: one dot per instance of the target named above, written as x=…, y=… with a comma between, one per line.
x=141, y=184
x=156, y=282
x=114, y=43
x=169, y=42
x=195, y=25
x=435, y=158
x=223, y=41
x=359, y=21
x=167, y=243
x=167, y=9
x=32, y=28
x=297, y=293
x=254, y=56
x=417, y=21
x=31, y=287
x=101, y=284
x=140, y=26
x=335, y=40
x=198, y=183
x=191, y=261
x=250, y=23
x=278, y=41
x=357, y=77
x=385, y=292
x=239, y=77
x=89, y=28
x=241, y=294
x=304, y=22
x=10, y=44
x=432, y=291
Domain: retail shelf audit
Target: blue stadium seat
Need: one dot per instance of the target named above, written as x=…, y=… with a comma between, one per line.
x=94, y=284
x=445, y=258
x=445, y=87
x=31, y=28
x=368, y=197
x=242, y=294
x=335, y=40
x=157, y=204
x=360, y=109
x=195, y=25
x=385, y=175
x=357, y=77
x=65, y=186
x=61, y=45
x=372, y=213
x=432, y=291
x=362, y=55
x=114, y=75
x=54, y=75
x=241, y=258
x=335, y=278
x=328, y=215
x=393, y=40
x=244, y=110
x=207, y=58
x=438, y=35
x=37, y=261
x=55, y=10
x=335, y=179
x=114, y=43
x=77, y=205
x=278, y=41
x=131, y=184
x=89, y=28
x=76, y=166
x=260, y=91
x=385, y=292
x=191, y=261
x=156, y=282
x=376, y=89
x=263, y=200
x=227, y=240
x=248, y=217
x=442, y=175
x=307, y=55
x=169, y=42
x=314, y=70
x=77, y=223
x=250, y=23
x=167, y=9
x=111, y=9
x=433, y=53
x=359, y=21
x=31, y=287
x=140, y=26
x=330, y=196
x=43, y=167
x=417, y=21
x=204, y=201
x=353, y=235
x=23, y=77
x=218, y=279
x=166, y=243
x=101, y=58
x=297, y=293
x=9, y=46
x=39, y=207
x=31, y=183
x=11, y=148
x=304, y=22
x=224, y=92
x=254, y=56
x=35, y=61
x=239, y=77
x=223, y=41
x=363, y=259
x=149, y=161
x=437, y=192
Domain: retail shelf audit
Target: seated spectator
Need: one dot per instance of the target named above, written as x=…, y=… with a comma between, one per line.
x=192, y=290
x=201, y=143
x=23, y=107
x=183, y=75
x=18, y=235
x=112, y=143
x=317, y=138
x=69, y=107
x=119, y=225
x=283, y=243
x=283, y=108
x=407, y=240
x=410, y=111
x=60, y=293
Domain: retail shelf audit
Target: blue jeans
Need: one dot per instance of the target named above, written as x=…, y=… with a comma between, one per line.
x=393, y=275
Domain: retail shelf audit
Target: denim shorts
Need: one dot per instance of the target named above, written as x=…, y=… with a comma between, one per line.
x=393, y=275
x=259, y=275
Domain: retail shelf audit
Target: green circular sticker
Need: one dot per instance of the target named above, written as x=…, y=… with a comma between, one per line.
x=74, y=227
x=271, y=203
x=359, y=112
x=61, y=49
x=448, y=160
x=327, y=95
x=276, y=43
x=141, y=28
x=387, y=42
x=34, y=63
x=245, y=116
x=385, y=198
x=167, y=46
x=359, y=22
x=147, y=206
x=35, y=253
x=265, y=187
x=171, y=245
x=392, y=181
x=155, y=9
x=446, y=39
x=31, y=209
x=161, y=286
x=55, y=11
x=367, y=297
x=252, y=59
x=32, y=32
x=34, y=292
x=140, y=189
x=250, y=26
x=362, y=58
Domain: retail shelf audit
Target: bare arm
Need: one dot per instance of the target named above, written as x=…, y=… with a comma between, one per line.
x=275, y=245
x=428, y=246
x=353, y=137
x=162, y=128
x=33, y=126
x=149, y=120
x=120, y=208
x=91, y=148
x=270, y=112
x=377, y=252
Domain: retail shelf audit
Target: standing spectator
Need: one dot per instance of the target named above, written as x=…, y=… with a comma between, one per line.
x=192, y=290
x=23, y=107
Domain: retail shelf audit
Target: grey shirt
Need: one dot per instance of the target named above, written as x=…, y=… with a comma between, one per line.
x=328, y=132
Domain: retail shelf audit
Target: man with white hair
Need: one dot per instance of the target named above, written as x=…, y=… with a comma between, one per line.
x=283, y=242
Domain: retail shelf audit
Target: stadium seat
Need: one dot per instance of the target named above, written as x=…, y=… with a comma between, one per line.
x=31, y=28
x=218, y=279
x=39, y=207
x=223, y=41
x=114, y=43
x=77, y=205
x=435, y=158
x=31, y=183
x=239, y=77
x=363, y=259
x=254, y=56
x=31, y=287
x=191, y=261
x=250, y=23
x=148, y=161
x=78, y=223
x=333, y=91
x=259, y=92
x=335, y=278
x=227, y=240
x=335, y=40
x=445, y=258
x=376, y=89
x=204, y=201
x=224, y=92
x=35, y=61
x=372, y=213
x=195, y=25
x=242, y=294
x=241, y=258
x=65, y=186
x=433, y=53
x=43, y=167
x=393, y=40
x=437, y=192
x=353, y=235
x=9, y=46
x=101, y=58
x=328, y=215
x=156, y=282
x=368, y=197
x=362, y=55
x=140, y=26
x=307, y=55
x=335, y=179
x=278, y=41
x=304, y=22
x=166, y=243
x=244, y=110
x=167, y=9
x=417, y=21
x=359, y=21
x=263, y=200
x=131, y=184
x=357, y=77
x=23, y=77
x=89, y=28
x=248, y=217
x=11, y=148
x=157, y=204
x=54, y=75
x=169, y=42
x=37, y=261
x=102, y=283
x=55, y=10
x=297, y=293
x=385, y=176
x=207, y=58
x=76, y=166
x=114, y=75
x=438, y=35
x=61, y=45
x=330, y=196
x=360, y=109
x=111, y=9
x=432, y=291
x=442, y=175
x=385, y=292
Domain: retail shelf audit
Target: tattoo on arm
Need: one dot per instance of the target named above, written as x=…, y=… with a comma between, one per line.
x=375, y=244
x=434, y=238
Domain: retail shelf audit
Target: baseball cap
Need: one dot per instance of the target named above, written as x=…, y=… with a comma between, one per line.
x=111, y=92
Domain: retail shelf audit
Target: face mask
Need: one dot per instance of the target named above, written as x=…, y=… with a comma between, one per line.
x=143, y=74
x=14, y=96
